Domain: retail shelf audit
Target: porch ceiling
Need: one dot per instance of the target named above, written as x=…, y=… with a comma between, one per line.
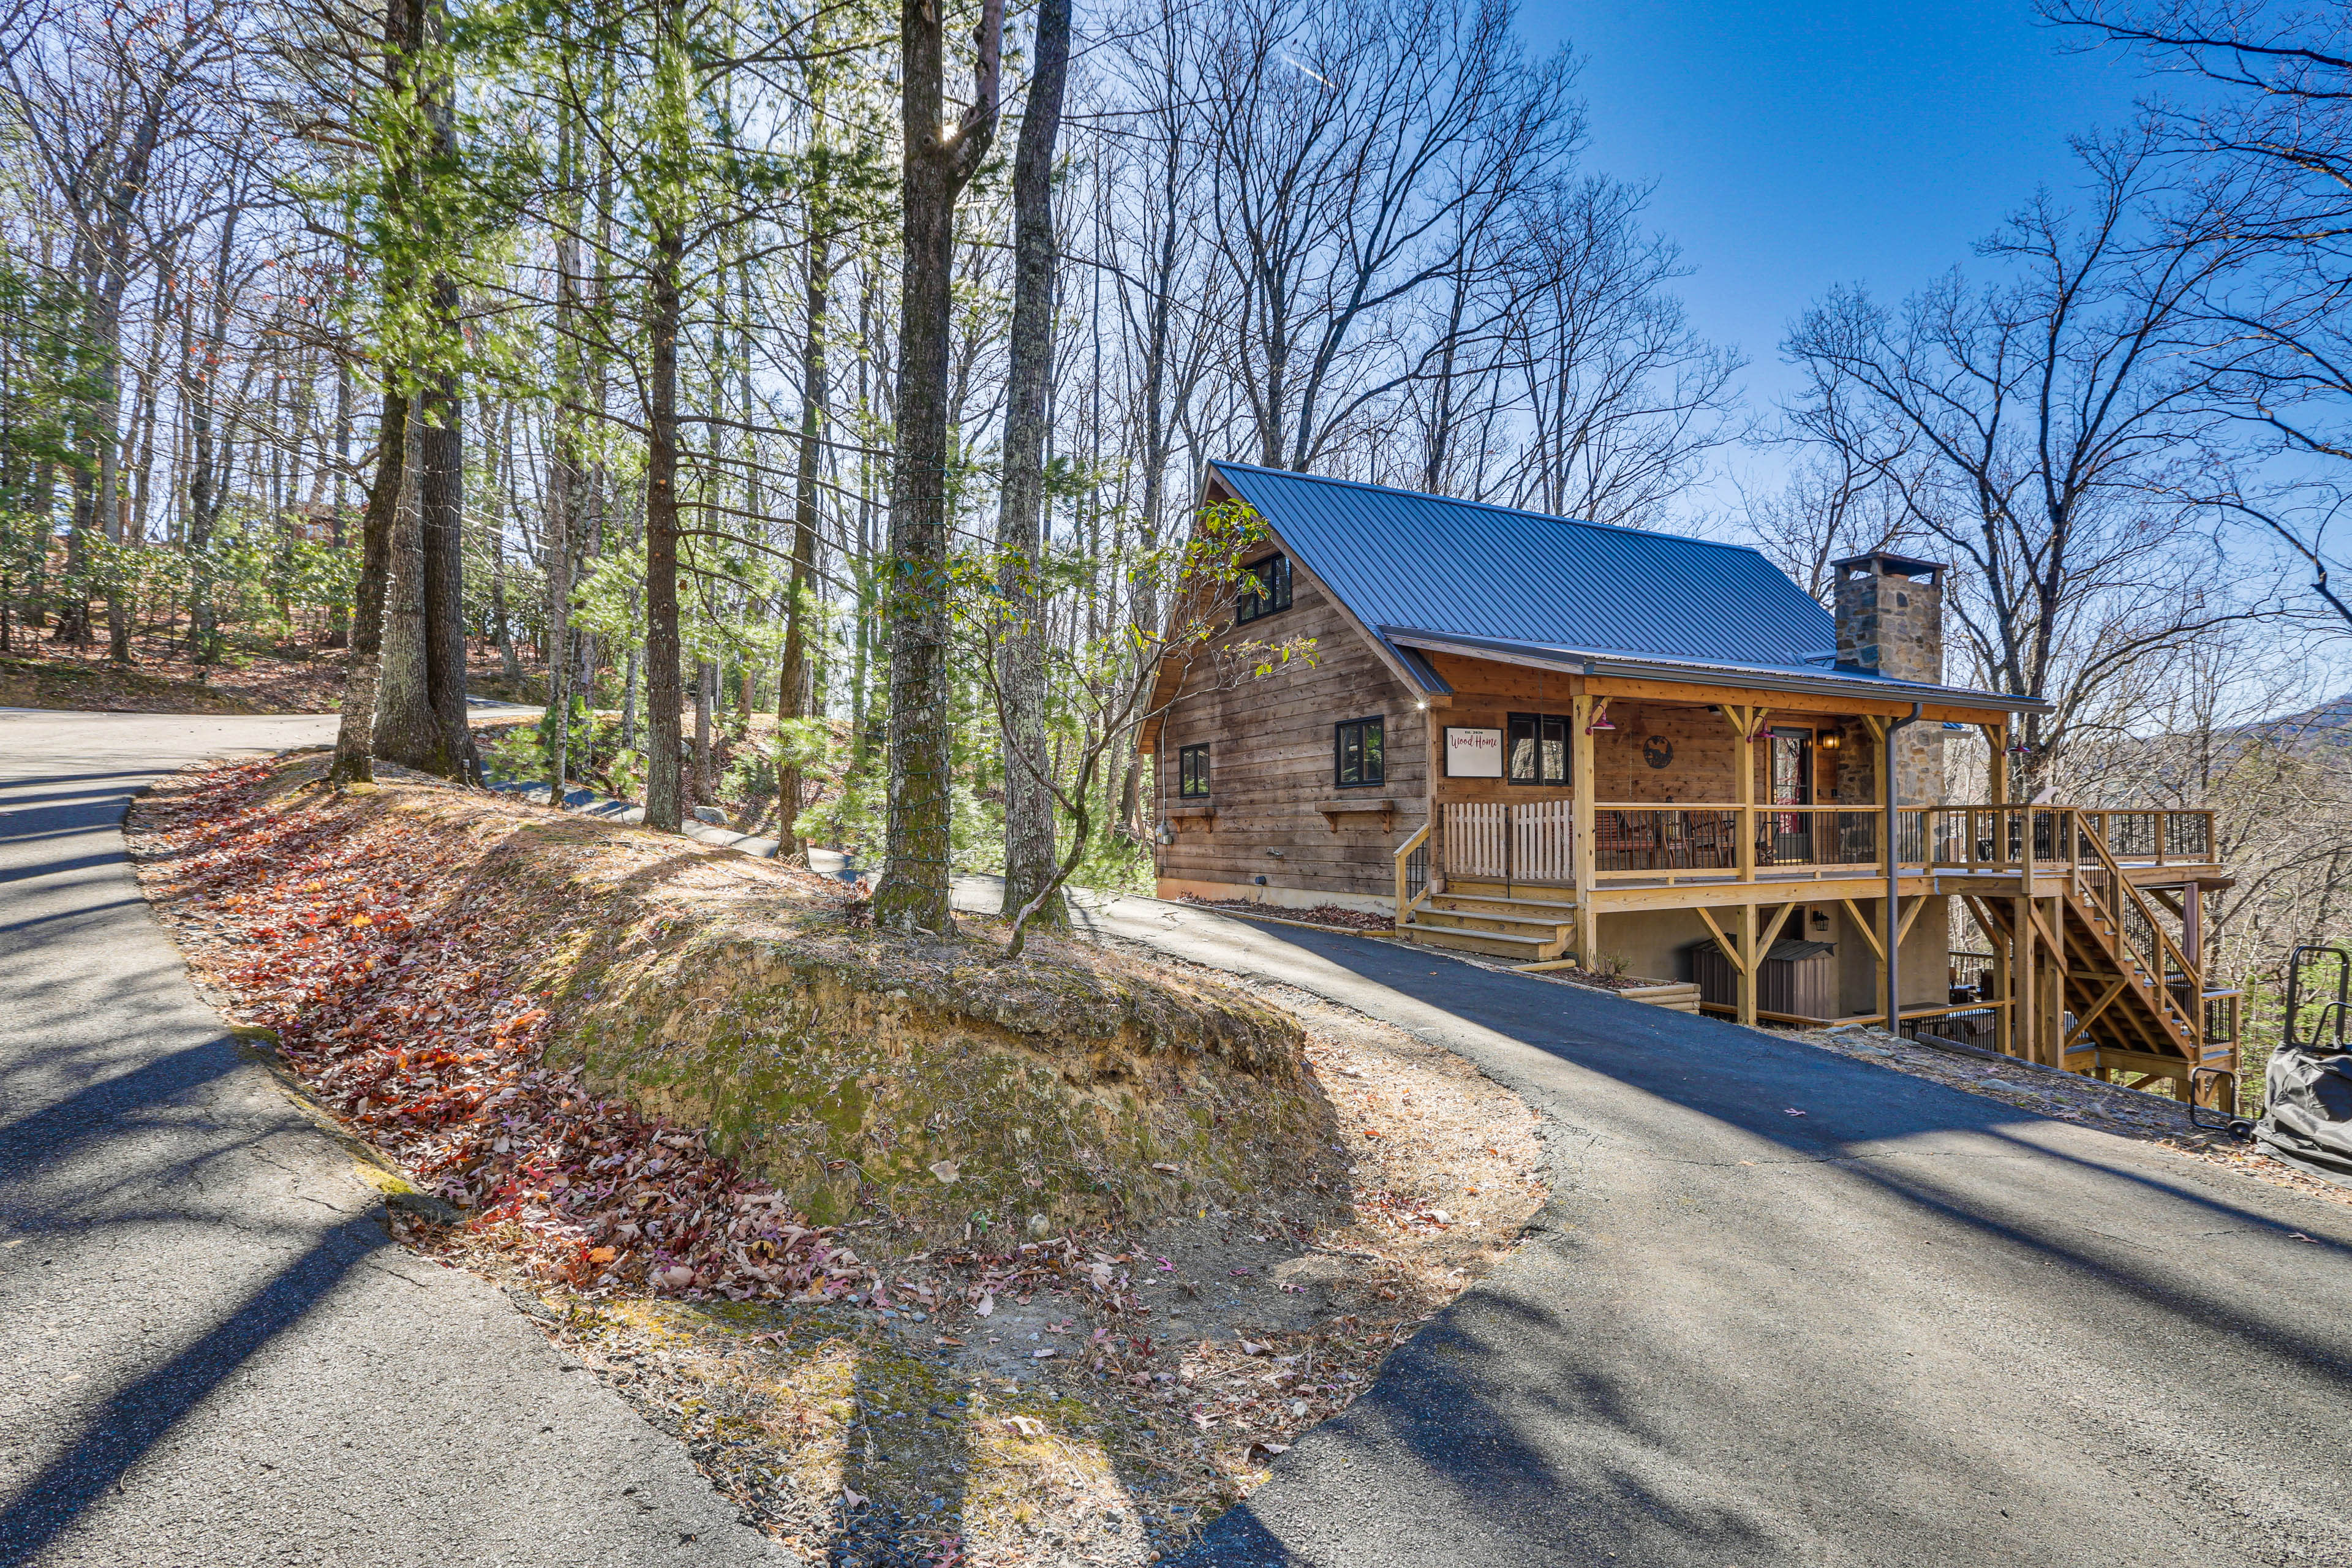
x=1825, y=680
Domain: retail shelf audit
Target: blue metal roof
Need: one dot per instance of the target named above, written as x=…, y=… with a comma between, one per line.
x=1398, y=558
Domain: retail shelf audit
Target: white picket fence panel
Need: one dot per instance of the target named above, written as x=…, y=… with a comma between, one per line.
x=1525, y=841
x=1477, y=841
x=1543, y=838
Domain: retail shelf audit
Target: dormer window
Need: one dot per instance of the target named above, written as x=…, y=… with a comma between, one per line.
x=1265, y=588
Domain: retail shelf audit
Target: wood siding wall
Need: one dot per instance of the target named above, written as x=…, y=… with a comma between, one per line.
x=1705, y=759
x=1270, y=764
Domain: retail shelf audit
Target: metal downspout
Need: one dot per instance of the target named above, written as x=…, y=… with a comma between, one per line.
x=1894, y=876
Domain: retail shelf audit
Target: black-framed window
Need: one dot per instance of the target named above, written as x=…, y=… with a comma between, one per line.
x=1536, y=749
x=1265, y=588
x=1357, y=757
x=1192, y=772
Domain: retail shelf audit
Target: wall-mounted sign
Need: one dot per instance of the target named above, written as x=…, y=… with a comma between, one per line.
x=1473, y=753
x=1658, y=752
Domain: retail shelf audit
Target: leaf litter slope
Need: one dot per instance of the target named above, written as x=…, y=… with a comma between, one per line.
x=403, y=1007
x=1090, y=1398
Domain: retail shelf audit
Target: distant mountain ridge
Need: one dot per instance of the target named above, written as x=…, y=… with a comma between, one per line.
x=2328, y=723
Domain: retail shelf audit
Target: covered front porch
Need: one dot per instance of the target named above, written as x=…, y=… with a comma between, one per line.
x=1645, y=826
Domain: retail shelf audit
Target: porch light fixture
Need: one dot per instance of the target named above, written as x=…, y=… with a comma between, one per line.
x=1599, y=720
x=1829, y=741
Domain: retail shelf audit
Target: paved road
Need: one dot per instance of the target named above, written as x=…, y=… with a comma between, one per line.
x=210, y=1353
x=1911, y=1326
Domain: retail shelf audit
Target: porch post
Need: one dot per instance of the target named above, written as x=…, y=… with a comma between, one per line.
x=1580, y=774
x=2055, y=1041
x=1432, y=771
x=2004, y=983
x=2025, y=983
x=1743, y=722
x=1748, y=964
x=1996, y=762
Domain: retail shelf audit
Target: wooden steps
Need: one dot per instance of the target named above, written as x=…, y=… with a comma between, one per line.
x=2130, y=1017
x=1484, y=919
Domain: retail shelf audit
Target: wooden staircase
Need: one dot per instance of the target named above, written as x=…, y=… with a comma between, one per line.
x=2129, y=988
x=1522, y=924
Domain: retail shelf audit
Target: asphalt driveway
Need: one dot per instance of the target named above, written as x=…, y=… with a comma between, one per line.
x=214, y=1354
x=1909, y=1326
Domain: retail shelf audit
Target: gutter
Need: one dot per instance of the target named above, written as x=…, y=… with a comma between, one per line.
x=1894, y=876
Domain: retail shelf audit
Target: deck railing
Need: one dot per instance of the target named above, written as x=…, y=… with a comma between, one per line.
x=1533, y=840
x=2005, y=838
x=1412, y=871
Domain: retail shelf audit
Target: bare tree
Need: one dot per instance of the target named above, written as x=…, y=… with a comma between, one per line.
x=2268, y=132
x=1844, y=493
x=2036, y=427
x=1622, y=398
x=98, y=107
x=1359, y=153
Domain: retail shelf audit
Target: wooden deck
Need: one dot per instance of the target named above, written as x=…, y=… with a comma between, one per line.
x=2087, y=974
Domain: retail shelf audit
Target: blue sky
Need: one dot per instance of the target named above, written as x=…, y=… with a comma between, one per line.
x=1796, y=146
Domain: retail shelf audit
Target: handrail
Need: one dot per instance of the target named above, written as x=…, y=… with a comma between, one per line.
x=2004, y=837
x=1404, y=902
x=2166, y=949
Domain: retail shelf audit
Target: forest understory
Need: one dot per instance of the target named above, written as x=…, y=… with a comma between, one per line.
x=1089, y=1383
x=163, y=679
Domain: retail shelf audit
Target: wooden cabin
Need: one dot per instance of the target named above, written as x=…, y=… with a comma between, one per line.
x=1541, y=740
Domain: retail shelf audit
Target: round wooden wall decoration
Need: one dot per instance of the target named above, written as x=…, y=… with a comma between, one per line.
x=1658, y=752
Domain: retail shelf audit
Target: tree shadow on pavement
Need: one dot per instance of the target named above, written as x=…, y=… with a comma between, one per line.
x=136, y=1416
x=1702, y=1356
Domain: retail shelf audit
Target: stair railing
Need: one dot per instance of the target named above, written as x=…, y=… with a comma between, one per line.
x=1412, y=881
x=2116, y=895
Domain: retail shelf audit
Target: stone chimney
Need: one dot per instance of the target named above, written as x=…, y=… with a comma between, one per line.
x=1890, y=621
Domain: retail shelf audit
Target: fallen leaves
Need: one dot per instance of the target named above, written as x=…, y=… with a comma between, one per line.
x=390, y=978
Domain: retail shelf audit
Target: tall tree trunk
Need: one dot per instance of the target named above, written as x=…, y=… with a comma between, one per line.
x=562, y=488
x=663, y=308
x=440, y=495
x=913, y=891
x=663, y=698
x=706, y=682
x=499, y=453
x=405, y=730
x=339, y=615
x=441, y=479
x=106, y=502
x=1029, y=808
x=800, y=594
x=354, y=740
x=204, y=507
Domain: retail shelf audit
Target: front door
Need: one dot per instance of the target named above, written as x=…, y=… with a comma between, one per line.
x=1790, y=840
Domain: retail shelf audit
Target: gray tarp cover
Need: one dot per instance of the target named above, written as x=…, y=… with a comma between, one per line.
x=2309, y=1123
